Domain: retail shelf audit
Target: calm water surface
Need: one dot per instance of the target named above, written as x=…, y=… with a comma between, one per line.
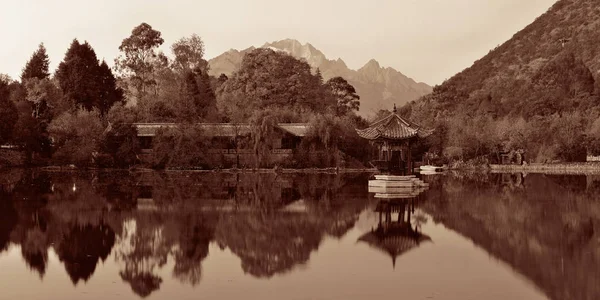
x=100, y=235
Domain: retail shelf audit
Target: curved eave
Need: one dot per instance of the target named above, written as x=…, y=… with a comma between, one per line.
x=376, y=135
x=393, y=127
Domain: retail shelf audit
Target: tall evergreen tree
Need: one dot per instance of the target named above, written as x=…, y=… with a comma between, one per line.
x=37, y=66
x=319, y=76
x=77, y=75
x=108, y=91
x=207, y=99
x=86, y=83
x=8, y=113
x=190, y=99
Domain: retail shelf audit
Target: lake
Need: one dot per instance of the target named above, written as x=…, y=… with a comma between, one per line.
x=192, y=235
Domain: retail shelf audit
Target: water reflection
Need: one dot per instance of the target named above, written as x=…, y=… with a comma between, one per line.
x=271, y=222
x=395, y=237
x=543, y=226
x=148, y=229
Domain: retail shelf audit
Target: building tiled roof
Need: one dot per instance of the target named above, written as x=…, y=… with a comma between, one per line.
x=393, y=127
x=296, y=129
x=150, y=129
x=220, y=129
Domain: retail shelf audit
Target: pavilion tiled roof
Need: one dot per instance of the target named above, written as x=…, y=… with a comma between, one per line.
x=393, y=127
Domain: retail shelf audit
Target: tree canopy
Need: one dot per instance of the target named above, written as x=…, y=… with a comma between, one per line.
x=8, y=112
x=345, y=94
x=85, y=82
x=189, y=54
x=37, y=66
x=138, y=57
x=269, y=79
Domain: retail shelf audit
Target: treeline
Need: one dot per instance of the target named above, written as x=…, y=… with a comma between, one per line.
x=536, y=94
x=82, y=113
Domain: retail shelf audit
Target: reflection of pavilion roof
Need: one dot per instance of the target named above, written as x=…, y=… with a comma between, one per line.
x=393, y=127
x=395, y=240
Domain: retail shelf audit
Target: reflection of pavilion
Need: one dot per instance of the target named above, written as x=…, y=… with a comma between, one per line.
x=395, y=237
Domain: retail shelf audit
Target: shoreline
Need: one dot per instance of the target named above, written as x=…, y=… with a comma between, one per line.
x=556, y=168
x=229, y=170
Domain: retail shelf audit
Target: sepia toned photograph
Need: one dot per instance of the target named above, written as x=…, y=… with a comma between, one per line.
x=301, y=150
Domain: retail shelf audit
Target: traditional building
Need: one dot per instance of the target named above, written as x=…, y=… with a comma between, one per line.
x=393, y=136
x=231, y=142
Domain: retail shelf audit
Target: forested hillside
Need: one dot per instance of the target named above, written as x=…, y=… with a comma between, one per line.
x=538, y=92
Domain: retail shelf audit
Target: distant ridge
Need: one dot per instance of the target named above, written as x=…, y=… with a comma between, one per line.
x=520, y=77
x=378, y=87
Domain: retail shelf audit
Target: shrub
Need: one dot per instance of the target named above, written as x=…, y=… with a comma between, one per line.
x=76, y=137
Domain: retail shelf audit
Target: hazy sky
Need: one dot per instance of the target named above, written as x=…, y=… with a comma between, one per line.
x=428, y=40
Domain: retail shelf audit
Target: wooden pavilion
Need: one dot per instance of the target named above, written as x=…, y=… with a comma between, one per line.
x=393, y=136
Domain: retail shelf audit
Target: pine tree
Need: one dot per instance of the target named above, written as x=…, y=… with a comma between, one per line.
x=319, y=76
x=190, y=98
x=8, y=113
x=86, y=83
x=109, y=93
x=37, y=66
x=77, y=75
x=207, y=99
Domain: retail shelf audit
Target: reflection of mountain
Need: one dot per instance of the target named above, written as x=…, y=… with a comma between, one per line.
x=271, y=221
x=543, y=226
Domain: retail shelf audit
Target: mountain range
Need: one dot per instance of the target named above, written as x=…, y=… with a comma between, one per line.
x=379, y=87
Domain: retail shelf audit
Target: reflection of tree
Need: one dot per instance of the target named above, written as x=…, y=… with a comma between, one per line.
x=35, y=250
x=8, y=220
x=544, y=230
x=82, y=248
x=143, y=248
x=269, y=243
x=195, y=237
x=143, y=283
x=87, y=216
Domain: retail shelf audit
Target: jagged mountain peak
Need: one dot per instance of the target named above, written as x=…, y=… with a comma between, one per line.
x=372, y=63
x=295, y=48
x=378, y=87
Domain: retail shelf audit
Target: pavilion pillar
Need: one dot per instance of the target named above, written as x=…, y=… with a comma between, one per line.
x=409, y=159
